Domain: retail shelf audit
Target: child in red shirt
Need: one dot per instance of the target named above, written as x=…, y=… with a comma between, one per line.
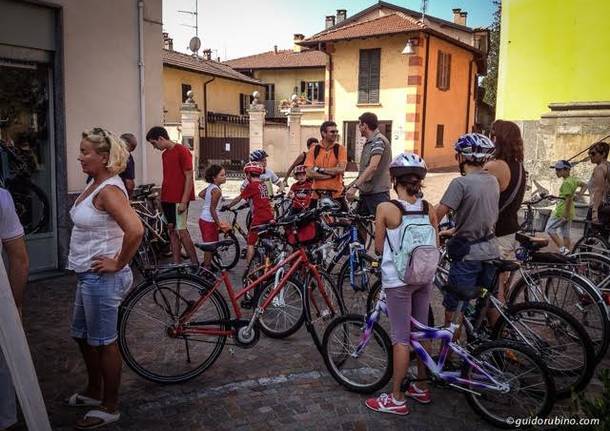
x=300, y=192
x=258, y=194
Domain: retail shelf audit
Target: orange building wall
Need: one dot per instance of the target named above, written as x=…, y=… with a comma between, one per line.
x=448, y=107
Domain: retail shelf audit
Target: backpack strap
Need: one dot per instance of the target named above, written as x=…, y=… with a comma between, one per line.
x=425, y=210
x=318, y=148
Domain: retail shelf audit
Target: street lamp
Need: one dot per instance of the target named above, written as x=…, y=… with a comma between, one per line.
x=409, y=47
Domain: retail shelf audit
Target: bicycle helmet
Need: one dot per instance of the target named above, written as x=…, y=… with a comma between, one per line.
x=475, y=147
x=258, y=155
x=253, y=168
x=301, y=169
x=408, y=163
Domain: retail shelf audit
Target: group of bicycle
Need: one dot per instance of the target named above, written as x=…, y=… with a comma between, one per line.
x=521, y=328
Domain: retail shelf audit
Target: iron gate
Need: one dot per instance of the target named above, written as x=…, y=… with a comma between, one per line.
x=225, y=141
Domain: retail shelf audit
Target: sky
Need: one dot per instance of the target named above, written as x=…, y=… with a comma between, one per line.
x=237, y=28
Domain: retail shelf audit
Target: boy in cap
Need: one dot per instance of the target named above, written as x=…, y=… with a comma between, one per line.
x=562, y=216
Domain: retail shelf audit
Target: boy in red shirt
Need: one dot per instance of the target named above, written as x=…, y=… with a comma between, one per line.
x=258, y=194
x=301, y=191
x=177, y=190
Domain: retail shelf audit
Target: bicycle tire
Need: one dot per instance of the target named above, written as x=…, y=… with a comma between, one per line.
x=518, y=351
x=592, y=243
x=317, y=311
x=276, y=304
x=228, y=260
x=339, y=363
x=138, y=345
x=598, y=267
x=145, y=257
x=562, y=360
x=17, y=187
x=355, y=300
x=584, y=299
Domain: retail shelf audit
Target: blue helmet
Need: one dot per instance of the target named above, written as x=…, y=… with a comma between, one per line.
x=475, y=147
x=258, y=155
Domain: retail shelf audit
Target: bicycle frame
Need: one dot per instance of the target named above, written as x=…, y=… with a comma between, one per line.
x=296, y=260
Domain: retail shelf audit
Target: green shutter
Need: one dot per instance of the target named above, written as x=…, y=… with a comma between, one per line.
x=374, y=75
x=363, y=76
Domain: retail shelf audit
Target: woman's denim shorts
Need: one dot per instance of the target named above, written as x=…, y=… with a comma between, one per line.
x=96, y=305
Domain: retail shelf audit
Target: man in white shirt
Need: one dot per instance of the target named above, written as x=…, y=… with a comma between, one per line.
x=11, y=239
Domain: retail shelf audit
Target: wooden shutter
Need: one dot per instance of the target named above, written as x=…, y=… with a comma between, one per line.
x=321, y=91
x=363, y=76
x=374, y=75
x=241, y=104
x=448, y=71
x=440, y=132
x=439, y=70
x=303, y=88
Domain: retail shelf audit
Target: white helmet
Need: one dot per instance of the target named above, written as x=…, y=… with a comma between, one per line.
x=408, y=163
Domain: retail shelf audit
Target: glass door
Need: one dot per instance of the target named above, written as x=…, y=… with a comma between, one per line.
x=27, y=168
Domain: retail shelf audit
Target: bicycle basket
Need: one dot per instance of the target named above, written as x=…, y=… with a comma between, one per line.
x=539, y=218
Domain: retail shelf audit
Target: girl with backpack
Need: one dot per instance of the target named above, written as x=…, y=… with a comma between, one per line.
x=406, y=236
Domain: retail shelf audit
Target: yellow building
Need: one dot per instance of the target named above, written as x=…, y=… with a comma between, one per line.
x=223, y=97
x=288, y=72
x=420, y=78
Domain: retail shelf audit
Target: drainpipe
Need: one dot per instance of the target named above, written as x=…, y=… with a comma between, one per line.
x=469, y=92
x=205, y=107
x=423, y=121
x=143, y=146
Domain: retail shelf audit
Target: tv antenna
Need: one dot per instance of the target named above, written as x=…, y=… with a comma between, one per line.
x=194, y=14
x=424, y=6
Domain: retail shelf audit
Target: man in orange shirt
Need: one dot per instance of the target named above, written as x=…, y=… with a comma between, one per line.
x=326, y=161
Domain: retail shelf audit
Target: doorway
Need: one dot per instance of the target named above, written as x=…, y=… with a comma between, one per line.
x=354, y=142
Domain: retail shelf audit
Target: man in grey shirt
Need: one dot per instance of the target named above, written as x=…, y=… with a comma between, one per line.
x=474, y=198
x=374, y=174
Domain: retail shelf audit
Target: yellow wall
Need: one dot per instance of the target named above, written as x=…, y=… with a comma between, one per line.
x=286, y=80
x=223, y=94
x=551, y=52
x=448, y=107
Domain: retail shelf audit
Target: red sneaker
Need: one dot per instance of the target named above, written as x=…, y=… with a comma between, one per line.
x=386, y=403
x=420, y=395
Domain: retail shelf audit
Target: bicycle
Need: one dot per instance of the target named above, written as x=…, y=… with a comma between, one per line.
x=192, y=314
x=596, y=267
x=31, y=203
x=500, y=379
x=596, y=239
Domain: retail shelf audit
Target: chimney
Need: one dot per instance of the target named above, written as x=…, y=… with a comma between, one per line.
x=297, y=38
x=168, y=42
x=275, y=48
x=330, y=21
x=463, y=16
x=341, y=15
x=456, y=15
x=207, y=54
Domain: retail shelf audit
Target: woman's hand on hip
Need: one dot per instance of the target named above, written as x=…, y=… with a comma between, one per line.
x=105, y=264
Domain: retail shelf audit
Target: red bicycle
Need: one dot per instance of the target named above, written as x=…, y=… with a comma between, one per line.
x=174, y=325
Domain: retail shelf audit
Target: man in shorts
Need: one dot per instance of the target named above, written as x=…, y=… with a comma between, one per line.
x=177, y=190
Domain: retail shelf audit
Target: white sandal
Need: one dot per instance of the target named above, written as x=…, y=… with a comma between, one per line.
x=105, y=417
x=78, y=400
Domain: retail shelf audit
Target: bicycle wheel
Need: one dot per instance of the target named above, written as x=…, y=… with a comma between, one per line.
x=31, y=204
x=366, y=372
x=572, y=293
x=145, y=257
x=321, y=307
x=285, y=314
x=354, y=297
x=593, y=243
x=531, y=391
x=147, y=319
x=560, y=340
x=228, y=255
x=596, y=268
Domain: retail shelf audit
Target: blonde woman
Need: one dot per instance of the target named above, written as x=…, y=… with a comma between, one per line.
x=106, y=235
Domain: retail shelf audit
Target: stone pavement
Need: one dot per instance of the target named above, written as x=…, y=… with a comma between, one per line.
x=277, y=384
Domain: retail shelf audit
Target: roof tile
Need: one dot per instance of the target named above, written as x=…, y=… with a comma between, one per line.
x=280, y=59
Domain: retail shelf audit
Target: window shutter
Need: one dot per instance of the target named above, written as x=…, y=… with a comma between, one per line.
x=374, y=76
x=448, y=71
x=321, y=91
x=302, y=88
x=241, y=104
x=363, y=76
x=440, y=132
x=439, y=70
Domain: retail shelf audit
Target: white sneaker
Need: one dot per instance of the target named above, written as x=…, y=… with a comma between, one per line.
x=564, y=250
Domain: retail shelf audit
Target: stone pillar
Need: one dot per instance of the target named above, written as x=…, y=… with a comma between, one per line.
x=257, y=114
x=295, y=144
x=189, y=119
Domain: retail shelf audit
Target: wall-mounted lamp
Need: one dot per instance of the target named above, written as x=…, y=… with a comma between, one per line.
x=409, y=47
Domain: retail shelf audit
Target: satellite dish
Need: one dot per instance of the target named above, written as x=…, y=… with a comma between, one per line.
x=195, y=44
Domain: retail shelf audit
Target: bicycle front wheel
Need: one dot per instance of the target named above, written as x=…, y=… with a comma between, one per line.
x=530, y=391
x=285, y=314
x=365, y=371
x=323, y=303
x=354, y=296
x=148, y=319
x=559, y=339
x=593, y=243
x=228, y=255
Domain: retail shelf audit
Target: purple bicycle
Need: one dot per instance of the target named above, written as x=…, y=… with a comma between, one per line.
x=500, y=379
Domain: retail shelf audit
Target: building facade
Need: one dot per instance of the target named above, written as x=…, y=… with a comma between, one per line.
x=67, y=66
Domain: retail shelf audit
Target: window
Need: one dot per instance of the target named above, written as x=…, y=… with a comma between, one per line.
x=313, y=90
x=269, y=91
x=443, y=71
x=185, y=88
x=368, y=76
x=244, y=103
x=440, y=132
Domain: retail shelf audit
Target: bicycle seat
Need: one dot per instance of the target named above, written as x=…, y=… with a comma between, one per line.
x=505, y=265
x=213, y=246
x=531, y=242
x=548, y=257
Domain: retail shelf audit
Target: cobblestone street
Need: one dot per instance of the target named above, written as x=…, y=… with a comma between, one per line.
x=277, y=384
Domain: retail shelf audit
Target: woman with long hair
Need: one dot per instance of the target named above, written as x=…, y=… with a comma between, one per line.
x=106, y=235
x=599, y=184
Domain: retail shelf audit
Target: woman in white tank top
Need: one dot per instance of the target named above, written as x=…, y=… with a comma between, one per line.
x=407, y=172
x=105, y=236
